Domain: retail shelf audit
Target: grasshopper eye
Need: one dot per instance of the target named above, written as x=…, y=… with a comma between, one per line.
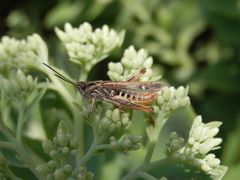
x=81, y=86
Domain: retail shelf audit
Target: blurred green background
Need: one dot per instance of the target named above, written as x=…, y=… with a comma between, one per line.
x=195, y=43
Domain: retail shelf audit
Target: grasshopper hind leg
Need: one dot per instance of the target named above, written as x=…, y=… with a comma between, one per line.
x=137, y=75
x=93, y=104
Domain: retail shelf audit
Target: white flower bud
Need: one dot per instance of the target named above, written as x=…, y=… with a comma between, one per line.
x=125, y=121
x=212, y=132
x=118, y=124
x=108, y=114
x=191, y=140
x=113, y=75
x=214, y=162
x=180, y=92
x=86, y=27
x=205, y=167
x=197, y=121
x=160, y=100
x=30, y=81
x=59, y=174
x=166, y=94
x=105, y=123
x=214, y=141
x=174, y=104
x=210, y=157
x=68, y=28
x=214, y=124
x=61, y=34
x=42, y=169
x=116, y=115
x=185, y=101
x=111, y=66
x=52, y=164
x=196, y=133
x=204, y=148
x=148, y=62
x=21, y=79
x=219, y=171
x=173, y=136
x=119, y=68
x=47, y=146
x=68, y=168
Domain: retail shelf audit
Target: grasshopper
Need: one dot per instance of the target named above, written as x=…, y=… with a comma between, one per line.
x=123, y=94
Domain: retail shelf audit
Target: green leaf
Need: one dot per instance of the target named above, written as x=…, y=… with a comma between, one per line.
x=224, y=17
x=23, y=173
x=174, y=170
x=232, y=147
x=35, y=97
x=53, y=111
x=12, y=158
x=36, y=147
x=223, y=76
x=233, y=173
x=63, y=12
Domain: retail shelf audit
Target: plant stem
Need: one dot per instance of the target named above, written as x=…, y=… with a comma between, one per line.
x=20, y=123
x=91, y=150
x=150, y=150
x=6, y=145
x=5, y=111
x=88, y=155
x=11, y=175
x=27, y=156
x=83, y=75
x=192, y=114
x=146, y=176
x=145, y=168
x=103, y=147
x=152, y=165
x=78, y=120
x=94, y=147
x=153, y=132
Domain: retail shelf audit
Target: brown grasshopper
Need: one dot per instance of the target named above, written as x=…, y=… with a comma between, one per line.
x=123, y=94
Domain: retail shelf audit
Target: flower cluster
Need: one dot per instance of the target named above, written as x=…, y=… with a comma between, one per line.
x=131, y=61
x=201, y=136
x=87, y=47
x=115, y=119
x=174, y=144
x=200, y=142
x=20, y=53
x=64, y=145
x=83, y=174
x=19, y=87
x=170, y=99
x=126, y=144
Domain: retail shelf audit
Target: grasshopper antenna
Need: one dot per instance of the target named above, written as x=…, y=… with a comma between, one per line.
x=60, y=75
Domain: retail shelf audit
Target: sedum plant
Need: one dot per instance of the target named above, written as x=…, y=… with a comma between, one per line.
x=68, y=153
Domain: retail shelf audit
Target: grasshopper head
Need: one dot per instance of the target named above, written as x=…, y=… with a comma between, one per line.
x=81, y=86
